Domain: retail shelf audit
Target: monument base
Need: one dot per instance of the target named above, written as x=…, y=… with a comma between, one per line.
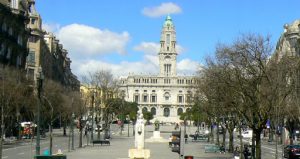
x=156, y=134
x=156, y=137
x=139, y=153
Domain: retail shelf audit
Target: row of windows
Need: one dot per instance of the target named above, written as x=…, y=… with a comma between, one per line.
x=186, y=81
x=166, y=81
x=9, y=30
x=166, y=112
x=153, y=98
x=143, y=80
x=145, y=98
x=7, y=52
x=144, y=90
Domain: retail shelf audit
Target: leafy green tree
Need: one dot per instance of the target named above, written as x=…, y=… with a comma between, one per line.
x=148, y=116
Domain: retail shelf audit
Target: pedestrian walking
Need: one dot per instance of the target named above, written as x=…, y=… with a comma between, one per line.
x=236, y=153
x=246, y=152
x=176, y=126
x=85, y=132
x=186, y=138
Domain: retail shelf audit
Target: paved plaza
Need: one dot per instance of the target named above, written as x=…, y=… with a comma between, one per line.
x=120, y=144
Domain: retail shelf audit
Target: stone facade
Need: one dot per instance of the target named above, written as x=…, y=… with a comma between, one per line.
x=47, y=53
x=13, y=33
x=165, y=95
x=58, y=65
x=25, y=45
x=289, y=42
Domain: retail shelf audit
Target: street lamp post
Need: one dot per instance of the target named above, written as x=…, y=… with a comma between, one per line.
x=128, y=119
x=39, y=89
x=72, y=127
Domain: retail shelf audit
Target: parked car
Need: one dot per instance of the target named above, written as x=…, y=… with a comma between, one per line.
x=292, y=151
x=247, y=134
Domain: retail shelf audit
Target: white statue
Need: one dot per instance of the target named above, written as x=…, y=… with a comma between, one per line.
x=139, y=129
x=139, y=151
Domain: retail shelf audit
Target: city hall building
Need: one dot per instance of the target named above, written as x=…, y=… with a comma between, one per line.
x=165, y=95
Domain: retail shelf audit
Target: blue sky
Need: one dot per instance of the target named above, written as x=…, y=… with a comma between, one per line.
x=123, y=35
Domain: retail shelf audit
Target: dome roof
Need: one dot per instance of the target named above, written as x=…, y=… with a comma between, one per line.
x=168, y=21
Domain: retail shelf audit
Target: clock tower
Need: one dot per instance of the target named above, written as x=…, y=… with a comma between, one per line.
x=167, y=53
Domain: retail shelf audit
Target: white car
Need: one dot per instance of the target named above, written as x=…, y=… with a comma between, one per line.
x=247, y=134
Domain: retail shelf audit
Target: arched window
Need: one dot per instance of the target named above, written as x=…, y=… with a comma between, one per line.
x=167, y=112
x=179, y=111
x=153, y=111
x=144, y=110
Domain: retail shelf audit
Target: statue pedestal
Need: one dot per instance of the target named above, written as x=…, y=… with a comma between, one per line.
x=156, y=134
x=139, y=153
x=156, y=138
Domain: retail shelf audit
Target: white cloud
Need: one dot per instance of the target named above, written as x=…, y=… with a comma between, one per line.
x=179, y=49
x=148, y=47
x=148, y=66
x=83, y=39
x=187, y=67
x=85, y=43
x=153, y=59
x=163, y=9
x=152, y=48
x=51, y=27
x=123, y=68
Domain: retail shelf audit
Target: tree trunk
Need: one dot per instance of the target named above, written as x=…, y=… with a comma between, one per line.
x=253, y=146
x=80, y=135
x=106, y=128
x=98, y=127
x=211, y=139
x=257, y=144
x=231, y=146
x=224, y=137
x=80, y=139
x=241, y=143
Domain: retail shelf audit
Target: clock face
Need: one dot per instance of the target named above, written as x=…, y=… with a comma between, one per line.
x=167, y=58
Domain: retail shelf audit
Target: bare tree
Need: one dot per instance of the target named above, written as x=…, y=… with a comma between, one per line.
x=105, y=85
x=245, y=83
x=16, y=101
